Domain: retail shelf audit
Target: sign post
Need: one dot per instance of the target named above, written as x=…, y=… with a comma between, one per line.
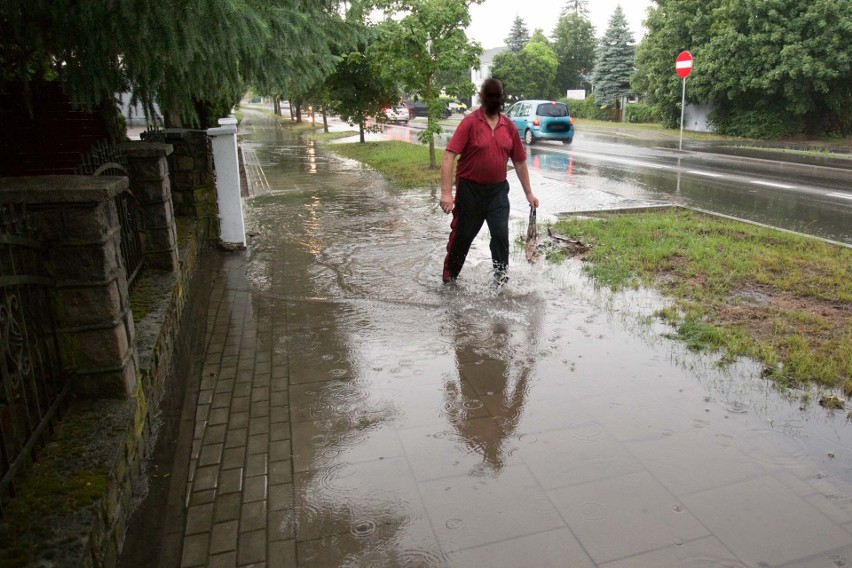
x=683, y=66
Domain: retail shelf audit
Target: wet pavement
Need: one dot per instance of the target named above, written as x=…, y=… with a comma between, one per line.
x=354, y=411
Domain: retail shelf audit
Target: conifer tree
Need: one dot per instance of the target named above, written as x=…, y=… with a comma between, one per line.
x=615, y=61
x=518, y=36
x=579, y=7
x=539, y=37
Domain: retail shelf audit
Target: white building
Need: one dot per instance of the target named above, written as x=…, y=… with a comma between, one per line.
x=479, y=74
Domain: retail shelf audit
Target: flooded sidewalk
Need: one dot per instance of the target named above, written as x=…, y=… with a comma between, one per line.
x=354, y=411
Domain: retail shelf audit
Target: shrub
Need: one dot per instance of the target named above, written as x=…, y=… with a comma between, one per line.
x=640, y=113
x=588, y=109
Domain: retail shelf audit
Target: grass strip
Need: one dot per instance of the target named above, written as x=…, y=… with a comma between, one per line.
x=328, y=136
x=783, y=299
x=407, y=165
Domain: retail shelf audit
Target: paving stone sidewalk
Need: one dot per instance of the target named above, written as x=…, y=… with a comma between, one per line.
x=240, y=491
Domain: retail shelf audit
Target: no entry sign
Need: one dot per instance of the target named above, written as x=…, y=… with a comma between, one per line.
x=683, y=64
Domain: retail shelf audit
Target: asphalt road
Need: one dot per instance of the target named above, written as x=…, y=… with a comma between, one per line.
x=794, y=192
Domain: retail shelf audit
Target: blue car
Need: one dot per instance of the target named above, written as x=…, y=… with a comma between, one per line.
x=542, y=120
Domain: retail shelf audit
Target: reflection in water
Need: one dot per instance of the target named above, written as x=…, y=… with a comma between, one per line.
x=493, y=374
x=400, y=133
x=311, y=154
x=553, y=162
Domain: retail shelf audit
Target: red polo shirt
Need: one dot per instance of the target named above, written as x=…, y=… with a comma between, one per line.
x=483, y=153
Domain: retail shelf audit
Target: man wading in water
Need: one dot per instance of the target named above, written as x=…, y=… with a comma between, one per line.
x=485, y=140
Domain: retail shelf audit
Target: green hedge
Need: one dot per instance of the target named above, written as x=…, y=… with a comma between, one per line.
x=588, y=109
x=640, y=113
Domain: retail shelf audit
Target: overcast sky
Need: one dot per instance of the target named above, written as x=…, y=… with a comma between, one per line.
x=492, y=20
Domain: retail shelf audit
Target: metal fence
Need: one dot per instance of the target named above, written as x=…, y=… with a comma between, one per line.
x=107, y=160
x=32, y=382
x=129, y=217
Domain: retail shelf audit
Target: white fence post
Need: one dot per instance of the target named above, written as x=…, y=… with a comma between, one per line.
x=225, y=158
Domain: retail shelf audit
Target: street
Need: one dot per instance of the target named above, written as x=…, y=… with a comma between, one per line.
x=811, y=199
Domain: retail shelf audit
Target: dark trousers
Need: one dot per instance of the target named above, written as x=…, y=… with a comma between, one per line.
x=476, y=203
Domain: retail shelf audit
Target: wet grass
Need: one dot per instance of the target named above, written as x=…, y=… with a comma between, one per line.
x=783, y=299
x=407, y=165
x=328, y=136
x=656, y=130
x=816, y=150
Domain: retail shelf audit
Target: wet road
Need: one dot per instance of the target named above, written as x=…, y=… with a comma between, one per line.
x=403, y=423
x=814, y=199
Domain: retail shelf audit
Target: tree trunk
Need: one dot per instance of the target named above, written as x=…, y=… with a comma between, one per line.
x=313, y=117
x=299, y=112
x=276, y=107
x=324, y=121
x=292, y=110
x=171, y=119
x=361, y=129
x=432, y=164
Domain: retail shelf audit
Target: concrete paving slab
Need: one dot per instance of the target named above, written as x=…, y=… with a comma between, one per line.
x=623, y=516
x=552, y=549
x=760, y=521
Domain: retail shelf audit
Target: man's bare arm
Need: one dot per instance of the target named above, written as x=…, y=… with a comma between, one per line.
x=447, y=164
x=524, y=177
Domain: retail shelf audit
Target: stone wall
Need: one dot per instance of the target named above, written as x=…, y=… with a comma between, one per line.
x=151, y=186
x=192, y=178
x=78, y=219
x=72, y=507
x=189, y=166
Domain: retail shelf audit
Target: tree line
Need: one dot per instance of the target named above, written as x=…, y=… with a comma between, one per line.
x=764, y=68
x=767, y=68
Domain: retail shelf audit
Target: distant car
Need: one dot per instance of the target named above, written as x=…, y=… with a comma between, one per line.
x=398, y=114
x=457, y=106
x=419, y=108
x=542, y=120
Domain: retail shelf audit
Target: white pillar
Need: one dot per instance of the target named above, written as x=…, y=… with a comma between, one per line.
x=224, y=141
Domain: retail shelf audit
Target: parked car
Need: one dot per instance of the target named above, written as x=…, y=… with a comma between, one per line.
x=419, y=108
x=542, y=120
x=397, y=113
x=457, y=106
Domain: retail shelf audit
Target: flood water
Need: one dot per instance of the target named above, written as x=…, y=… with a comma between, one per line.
x=548, y=423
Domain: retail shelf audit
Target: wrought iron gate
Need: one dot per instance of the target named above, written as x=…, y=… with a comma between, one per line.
x=32, y=382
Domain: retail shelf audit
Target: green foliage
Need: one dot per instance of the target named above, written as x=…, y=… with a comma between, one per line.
x=614, y=57
x=528, y=74
x=587, y=108
x=765, y=120
x=184, y=55
x=640, y=113
x=421, y=42
x=574, y=44
x=539, y=37
x=518, y=36
x=357, y=89
x=771, y=68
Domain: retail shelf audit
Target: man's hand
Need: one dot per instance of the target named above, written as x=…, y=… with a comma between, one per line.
x=446, y=202
x=533, y=200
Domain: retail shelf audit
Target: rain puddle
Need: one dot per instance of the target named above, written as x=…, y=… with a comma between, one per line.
x=544, y=423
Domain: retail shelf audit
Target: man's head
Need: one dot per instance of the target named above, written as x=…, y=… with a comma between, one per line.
x=491, y=95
